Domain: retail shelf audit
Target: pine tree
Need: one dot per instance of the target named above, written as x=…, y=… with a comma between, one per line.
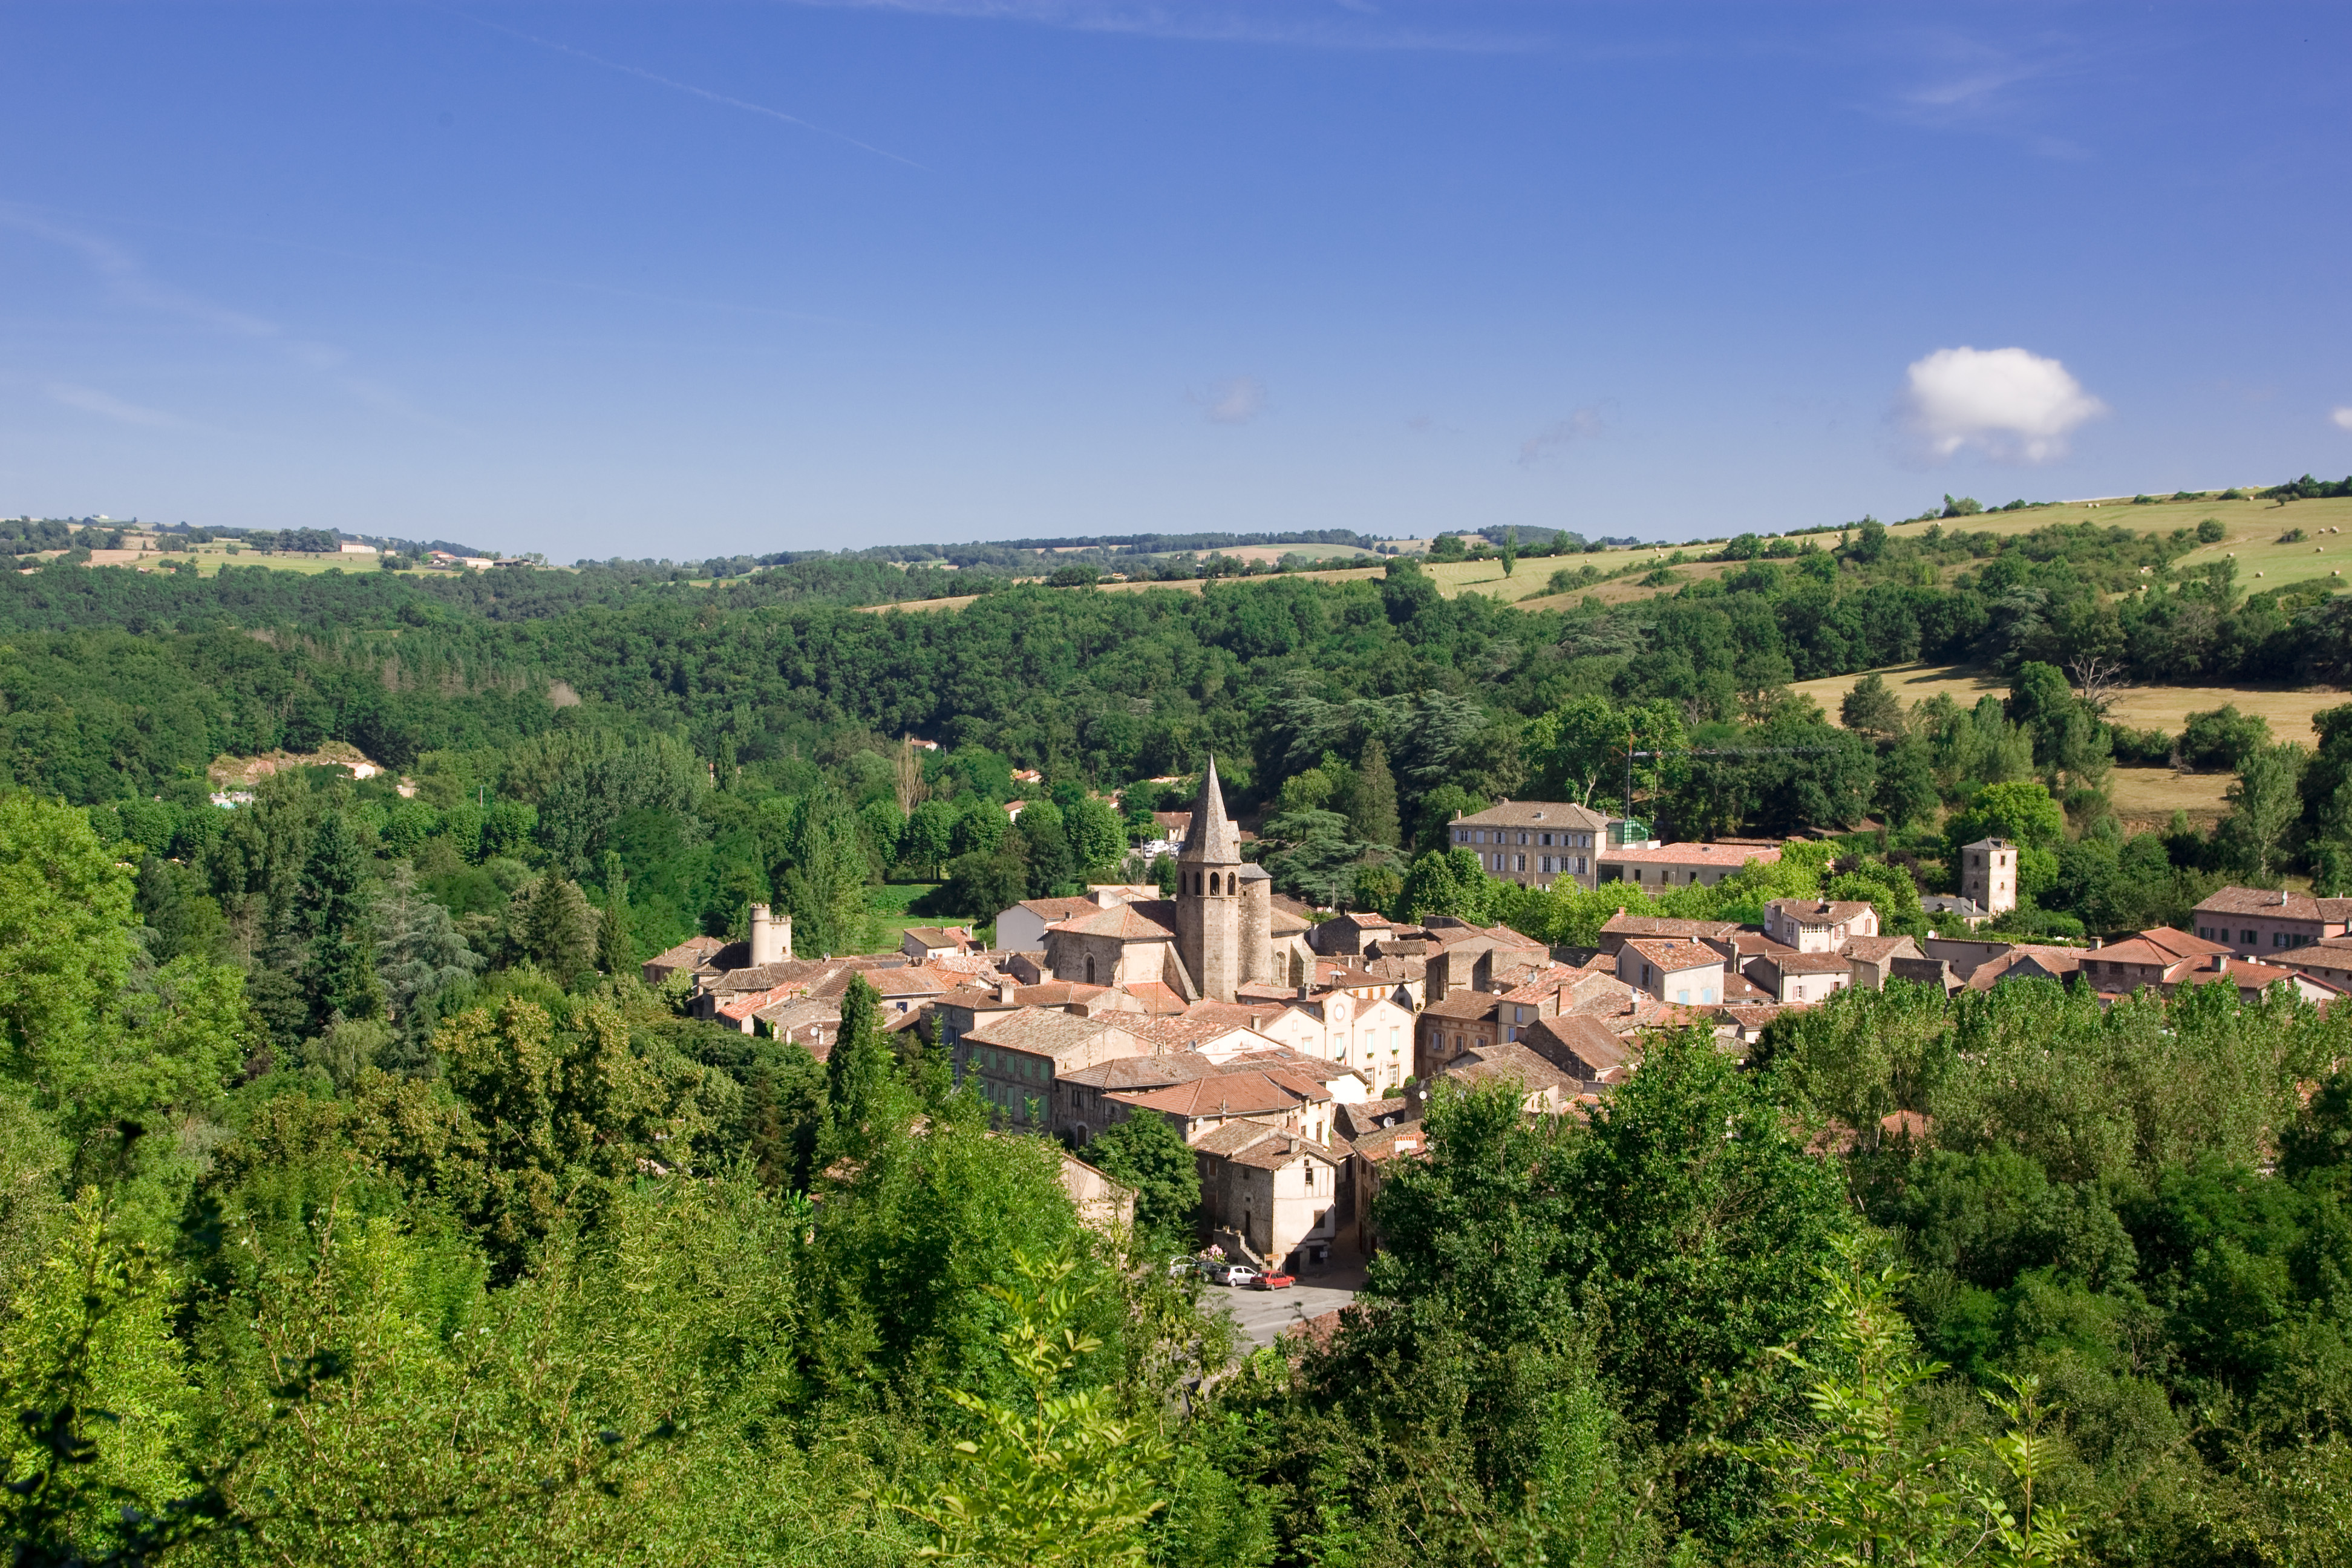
x=421, y=960
x=1372, y=812
x=560, y=930
x=333, y=913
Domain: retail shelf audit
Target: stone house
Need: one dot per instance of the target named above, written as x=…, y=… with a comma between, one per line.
x=1872, y=959
x=1688, y=973
x=1681, y=864
x=1369, y=1160
x=1277, y=1194
x=1799, y=979
x=1271, y=1097
x=1535, y=842
x=1621, y=928
x=1818, y=925
x=923, y=943
x=1546, y=1089
x=2253, y=923
x=1584, y=1048
x=1464, y=1021
x=1015, y=1061
x=1372, y=1037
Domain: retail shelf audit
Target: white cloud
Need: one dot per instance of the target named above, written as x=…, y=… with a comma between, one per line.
x=2008, y=404
x=1584, y=425
x=2342, y=417
x=1235, y=402
x=89, y=400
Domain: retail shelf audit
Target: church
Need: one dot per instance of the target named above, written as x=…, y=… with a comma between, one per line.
x=1215, y=935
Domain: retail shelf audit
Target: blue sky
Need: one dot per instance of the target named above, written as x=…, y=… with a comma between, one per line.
x=676, y=280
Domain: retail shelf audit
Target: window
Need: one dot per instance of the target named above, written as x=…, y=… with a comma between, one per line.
x=2278, y=939
x=1522, y=866
x=1546, y=838
x=2246, y=938
x=1682, y=997
x=1706, y=993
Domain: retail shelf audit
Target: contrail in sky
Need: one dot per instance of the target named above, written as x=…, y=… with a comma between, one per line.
x=687, y=86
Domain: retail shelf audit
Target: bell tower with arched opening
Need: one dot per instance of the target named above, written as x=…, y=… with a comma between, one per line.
x=1209, y=895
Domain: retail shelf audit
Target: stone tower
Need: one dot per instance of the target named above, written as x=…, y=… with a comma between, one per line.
x=1988, y=874
x=1209, y=895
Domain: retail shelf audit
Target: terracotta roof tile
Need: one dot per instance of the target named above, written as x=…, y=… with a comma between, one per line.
x=1730, y=857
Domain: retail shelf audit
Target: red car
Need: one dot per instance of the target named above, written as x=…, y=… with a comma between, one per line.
x=1273, y=1281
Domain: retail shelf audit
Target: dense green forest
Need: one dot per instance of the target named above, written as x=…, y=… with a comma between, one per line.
x=1353, y=718
x=577, y=1277
x=357, y=1203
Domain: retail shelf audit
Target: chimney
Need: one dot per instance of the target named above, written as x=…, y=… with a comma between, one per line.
x=1005, y=992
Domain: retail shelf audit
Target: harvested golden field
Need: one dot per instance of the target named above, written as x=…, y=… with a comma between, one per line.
x=2167, y=707
x=2150, y=795
x=2254, y=527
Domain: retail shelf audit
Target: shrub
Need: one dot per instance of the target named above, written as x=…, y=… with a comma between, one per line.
x=2293, y=536
x=2210, y=532
x=2221, y=738
x=2032, y=923
x=2140, y=748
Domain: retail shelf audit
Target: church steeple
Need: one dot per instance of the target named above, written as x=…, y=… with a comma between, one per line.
x=1209, y=897
x=1213, y=839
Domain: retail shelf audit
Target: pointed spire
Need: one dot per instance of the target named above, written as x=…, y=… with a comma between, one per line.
x=1213, y=839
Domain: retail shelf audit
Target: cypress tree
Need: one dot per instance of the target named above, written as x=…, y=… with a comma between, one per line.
x=614, y=945
x=858, y=1070
x=1373, y=813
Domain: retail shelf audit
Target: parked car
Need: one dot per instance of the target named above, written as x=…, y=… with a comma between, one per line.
x=1222, y=1273
x=1272, y=1280
x=1180, y=1268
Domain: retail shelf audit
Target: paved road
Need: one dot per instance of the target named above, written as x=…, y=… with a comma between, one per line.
x=1263, y=1314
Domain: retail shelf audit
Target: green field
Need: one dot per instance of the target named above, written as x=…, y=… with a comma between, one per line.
x=889, y=902
x=2254, y=528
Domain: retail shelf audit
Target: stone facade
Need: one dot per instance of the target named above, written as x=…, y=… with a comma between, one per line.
x=1988, y=874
